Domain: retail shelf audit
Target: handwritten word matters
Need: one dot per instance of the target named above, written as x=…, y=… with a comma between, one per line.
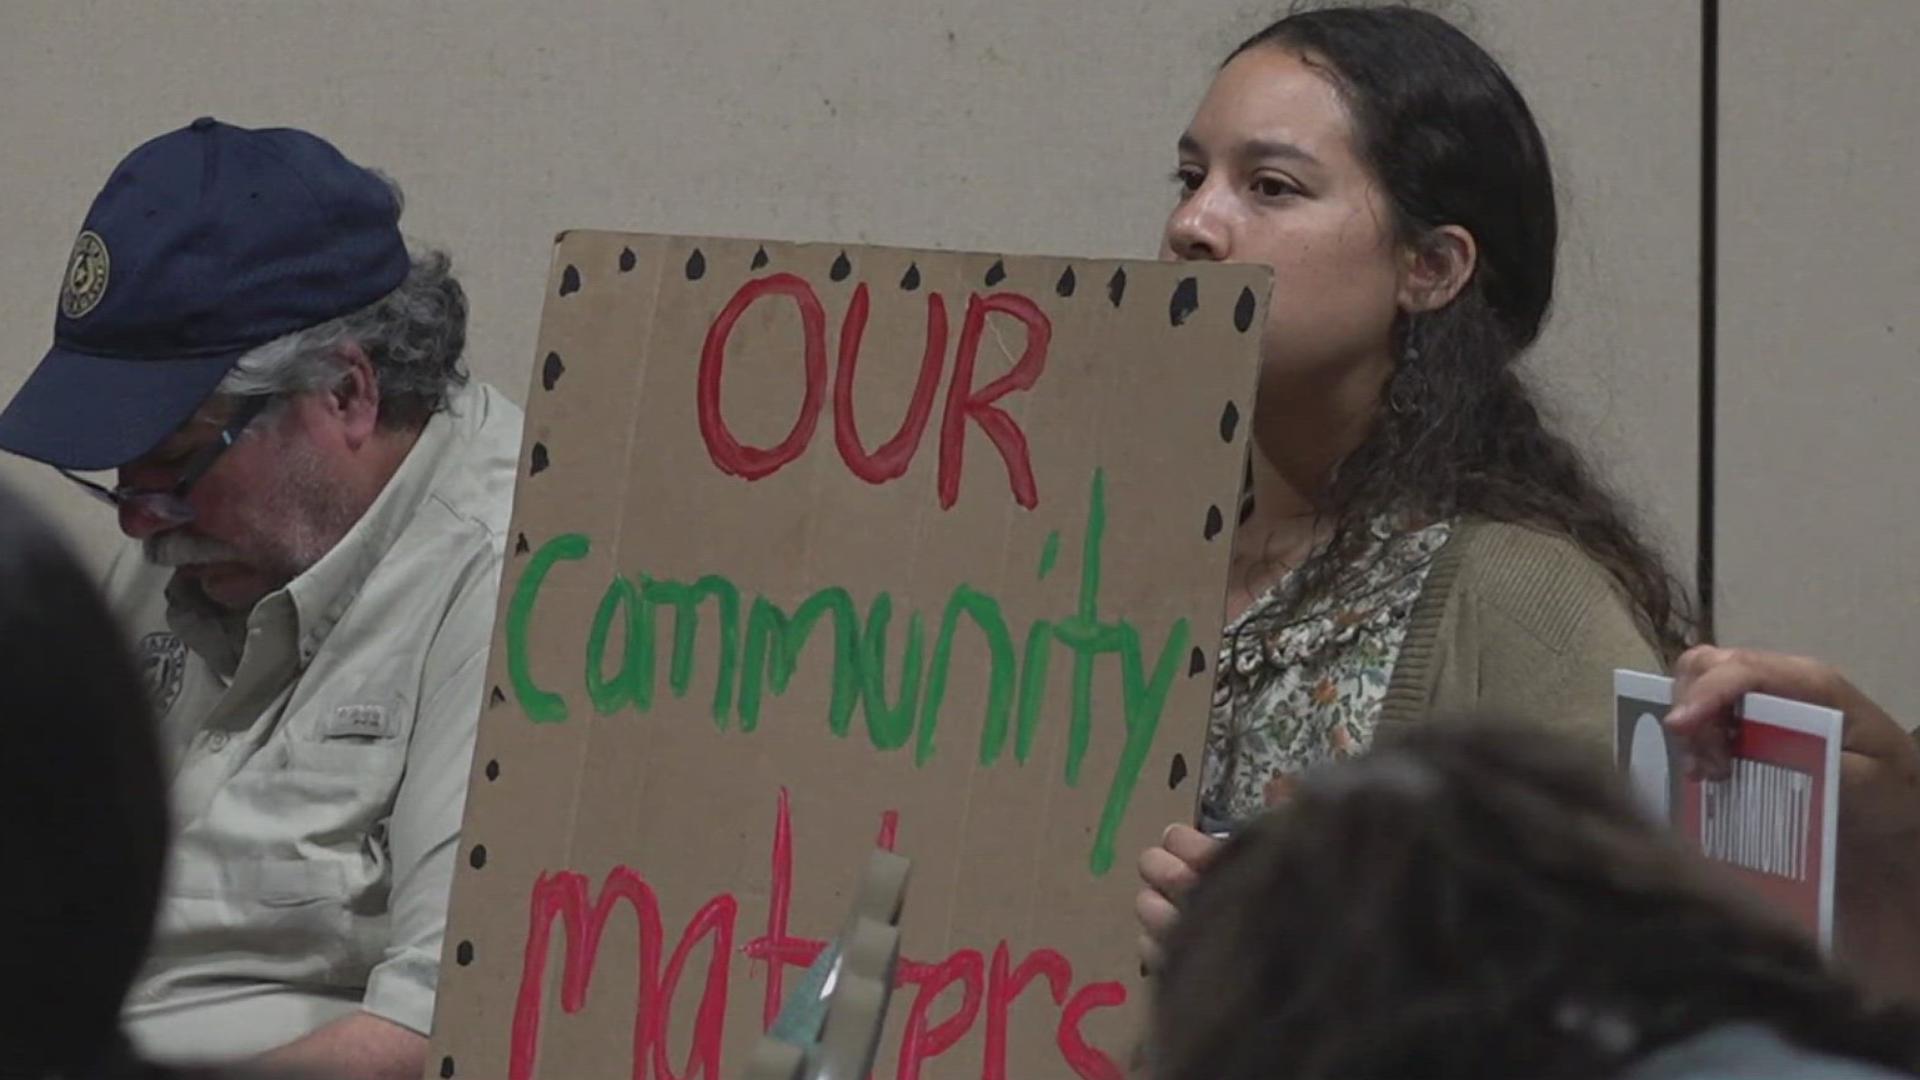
x=562, y=898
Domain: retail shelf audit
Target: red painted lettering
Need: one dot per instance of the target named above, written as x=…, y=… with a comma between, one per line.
x=918, y=1043
x=1002, y=988
x=564, y=896
x=891, y=460
x=750, y=462
x=1088, y=1063
x=965, y=403
x=776, y=948
x=714, y=922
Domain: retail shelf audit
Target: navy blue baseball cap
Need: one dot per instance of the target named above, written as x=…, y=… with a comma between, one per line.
x=206, y=243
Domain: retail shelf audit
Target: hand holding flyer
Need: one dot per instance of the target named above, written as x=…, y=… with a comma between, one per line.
x=1772, y=818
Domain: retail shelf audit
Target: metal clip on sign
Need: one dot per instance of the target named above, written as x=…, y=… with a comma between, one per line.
x=829, y=1028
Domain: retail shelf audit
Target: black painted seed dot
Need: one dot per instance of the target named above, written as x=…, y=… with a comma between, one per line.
x=1214, y=522
x=1117, y=286
x=760, y=258
x=446, y=1068
x=1229, y=421
x=551, y=370
x=497, y=698
x=1175, y=774
x=463, y=955
x=996, y=273
x=1067, y=283
x=570, y=280
x=520, y=546
x=540, y=461
x=493, y=769
x=1243, y=310
x=1196, y=661
x=1186, y=301
x=696, y=266
x=911, y=279
x=841, y=268
x=627, y=260
x=478, y=858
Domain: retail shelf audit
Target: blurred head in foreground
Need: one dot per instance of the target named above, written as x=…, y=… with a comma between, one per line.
x=82, y=806
x=1476, y=900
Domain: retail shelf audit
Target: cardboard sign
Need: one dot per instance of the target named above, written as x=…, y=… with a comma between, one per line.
x=816, y=549
x=1773, y=819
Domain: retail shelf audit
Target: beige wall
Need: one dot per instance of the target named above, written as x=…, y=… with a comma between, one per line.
x=1615, y=86
x=984, y=125
x=1024, y=127
x=1819, y=359
x=989, y=124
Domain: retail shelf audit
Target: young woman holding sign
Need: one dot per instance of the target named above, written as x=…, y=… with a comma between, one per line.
x=1419, y=541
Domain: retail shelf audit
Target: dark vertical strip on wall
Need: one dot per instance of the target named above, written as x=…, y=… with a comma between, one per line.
x=1709, y=293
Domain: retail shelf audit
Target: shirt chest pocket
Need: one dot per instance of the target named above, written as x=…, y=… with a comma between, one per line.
x=339, y=786
x=325, y=799
x=345, y=756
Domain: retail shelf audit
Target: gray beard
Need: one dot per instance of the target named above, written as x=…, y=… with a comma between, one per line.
x=296, y=522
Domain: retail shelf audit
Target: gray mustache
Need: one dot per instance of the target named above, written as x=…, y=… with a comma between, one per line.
x=180, y=549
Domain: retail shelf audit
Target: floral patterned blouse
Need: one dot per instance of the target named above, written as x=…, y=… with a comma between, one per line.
x=1294, y=692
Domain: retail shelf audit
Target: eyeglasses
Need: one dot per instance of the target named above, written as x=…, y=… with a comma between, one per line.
x=170, y=504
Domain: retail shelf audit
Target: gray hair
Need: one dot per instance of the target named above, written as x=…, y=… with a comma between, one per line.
x=413, y=336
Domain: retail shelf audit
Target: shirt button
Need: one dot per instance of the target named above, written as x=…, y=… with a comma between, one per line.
x=217, y=741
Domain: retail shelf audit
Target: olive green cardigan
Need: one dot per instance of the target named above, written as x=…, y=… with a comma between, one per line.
x=1518, y=624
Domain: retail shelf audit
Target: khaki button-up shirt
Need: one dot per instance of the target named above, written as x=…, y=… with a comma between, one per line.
x=321, y=746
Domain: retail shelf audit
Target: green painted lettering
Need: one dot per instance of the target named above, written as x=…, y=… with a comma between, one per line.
x=774, y=641
x=541, y=706
x=889, y=726
x=984, y=610
x=685, y=600
x=616, y=603
x=769, y=656
x=1033, y=694
x=1145, y=701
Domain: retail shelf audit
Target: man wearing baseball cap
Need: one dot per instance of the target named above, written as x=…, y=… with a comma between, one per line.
x=319, y=499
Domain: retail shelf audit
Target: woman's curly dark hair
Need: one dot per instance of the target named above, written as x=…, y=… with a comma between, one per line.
x=1477, y=900
x=1452, y=142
